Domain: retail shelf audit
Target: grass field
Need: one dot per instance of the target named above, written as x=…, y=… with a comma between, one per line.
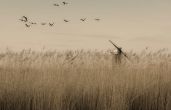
x=84, y=80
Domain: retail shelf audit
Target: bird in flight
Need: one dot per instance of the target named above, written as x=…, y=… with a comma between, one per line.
x=65, y=3
x=55, y=4
x=43, y=23
x=66, y=20
x=97, y=19
x=27, y=25
x=24, y=19
x=83, y=19
x=51, y=24
x=33, y=23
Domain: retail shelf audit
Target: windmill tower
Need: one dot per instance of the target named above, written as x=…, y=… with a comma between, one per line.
x=118, y=53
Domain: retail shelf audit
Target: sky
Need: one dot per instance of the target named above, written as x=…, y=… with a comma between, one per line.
x=131, y=24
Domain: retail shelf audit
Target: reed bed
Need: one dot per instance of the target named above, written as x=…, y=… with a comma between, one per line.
x=84, y=80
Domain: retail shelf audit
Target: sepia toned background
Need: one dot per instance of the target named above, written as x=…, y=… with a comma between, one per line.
x=132, y=24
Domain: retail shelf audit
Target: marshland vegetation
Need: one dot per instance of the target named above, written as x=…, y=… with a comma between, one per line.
x=84, y=80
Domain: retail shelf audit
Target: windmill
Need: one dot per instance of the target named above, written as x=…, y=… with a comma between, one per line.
x=119, y=53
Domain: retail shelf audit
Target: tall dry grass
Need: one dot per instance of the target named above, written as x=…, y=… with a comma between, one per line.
x=51, y=80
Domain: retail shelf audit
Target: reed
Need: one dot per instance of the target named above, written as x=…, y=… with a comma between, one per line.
x=84, y=80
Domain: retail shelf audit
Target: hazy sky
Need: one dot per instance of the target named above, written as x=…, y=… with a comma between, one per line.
x=132, y=24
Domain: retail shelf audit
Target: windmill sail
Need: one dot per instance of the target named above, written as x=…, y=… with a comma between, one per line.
x=113, y=44
x=119, y=49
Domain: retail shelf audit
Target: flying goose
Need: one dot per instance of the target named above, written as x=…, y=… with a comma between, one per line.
x=66, y=20
x=43, y=23
x=51, y=24
x=25, y=18
x=32, y=22
x=27, y=25
x=97, y=19
x=65, y=3
x=22, y=20
x=55, y=4
x=83, y=19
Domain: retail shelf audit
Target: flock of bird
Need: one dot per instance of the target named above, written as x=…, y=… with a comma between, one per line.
x=28, y=23
x=64, y=3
